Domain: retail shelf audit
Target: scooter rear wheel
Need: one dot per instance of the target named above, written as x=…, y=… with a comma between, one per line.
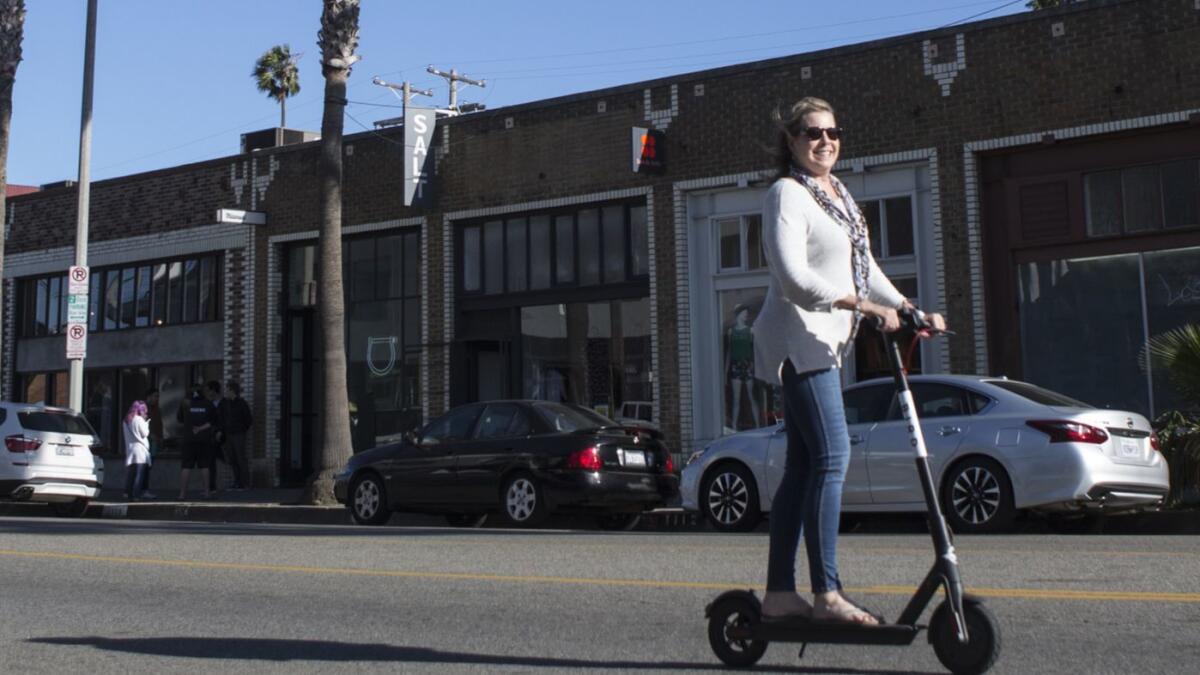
x=732, y=617
x=982, y=648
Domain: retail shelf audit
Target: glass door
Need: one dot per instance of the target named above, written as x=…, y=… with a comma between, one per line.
x=488, y=369
x=300, y=413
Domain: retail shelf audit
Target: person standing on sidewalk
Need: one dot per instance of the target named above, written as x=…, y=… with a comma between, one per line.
x=136, y=431
x=236, y=420
x=156, y=438
x=199, y=420
x=212, y=392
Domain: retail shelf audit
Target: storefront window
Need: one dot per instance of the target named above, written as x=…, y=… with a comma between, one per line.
x=107, y=394
x=35, y=388
x=1172, y=300
x=1081, y=329
x=889, y=226
x=125, y=297
x=594, y=354
x=1142, y=198
x=302, y=276
x=588, y=247
x=45, y=388
x=740, y=243
x=383, y=332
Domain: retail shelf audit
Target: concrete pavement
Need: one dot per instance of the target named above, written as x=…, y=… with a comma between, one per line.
x=108, y=596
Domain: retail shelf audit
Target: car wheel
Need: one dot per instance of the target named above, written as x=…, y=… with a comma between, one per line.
x=522, y=502
x=622, y=522
x=729, y=499
x=71, y=509
x=368, y=500
x=977, y=497
x=466, y=519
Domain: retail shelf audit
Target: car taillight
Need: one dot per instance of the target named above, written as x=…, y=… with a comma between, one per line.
x=587, y=459
x=1154, y=440
x=18, y=443
x=668, y=466
x=1062, y=431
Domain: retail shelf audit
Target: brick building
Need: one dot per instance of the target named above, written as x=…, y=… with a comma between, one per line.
x=1037, y=177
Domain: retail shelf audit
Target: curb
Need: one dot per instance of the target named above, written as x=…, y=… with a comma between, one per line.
x=659, y=520
x=1177, y=522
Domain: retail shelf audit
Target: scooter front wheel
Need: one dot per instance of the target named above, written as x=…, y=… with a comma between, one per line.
x=729, y=624
x=982, y=647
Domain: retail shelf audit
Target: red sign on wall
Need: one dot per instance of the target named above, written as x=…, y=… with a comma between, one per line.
x=649, y=148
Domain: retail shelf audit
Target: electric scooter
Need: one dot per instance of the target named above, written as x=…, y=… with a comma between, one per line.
x=963, y=631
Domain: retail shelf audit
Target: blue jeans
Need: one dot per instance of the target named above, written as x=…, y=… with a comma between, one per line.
x=135, y=480
x=809, y=498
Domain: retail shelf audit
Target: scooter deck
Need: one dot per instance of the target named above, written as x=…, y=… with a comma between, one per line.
x=827, y=632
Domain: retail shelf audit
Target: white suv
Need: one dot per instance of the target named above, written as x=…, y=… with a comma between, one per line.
x=47, y=457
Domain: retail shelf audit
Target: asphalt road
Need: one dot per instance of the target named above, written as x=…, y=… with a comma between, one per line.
x=105, y=596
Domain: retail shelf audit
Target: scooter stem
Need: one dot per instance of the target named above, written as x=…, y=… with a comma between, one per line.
x=945, y=567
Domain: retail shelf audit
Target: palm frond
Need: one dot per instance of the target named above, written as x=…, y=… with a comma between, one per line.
x=1178, y=353
x=338, y=37
x=276, y=74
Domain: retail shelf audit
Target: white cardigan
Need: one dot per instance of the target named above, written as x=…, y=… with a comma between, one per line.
x=808, y=254
x=137, y=441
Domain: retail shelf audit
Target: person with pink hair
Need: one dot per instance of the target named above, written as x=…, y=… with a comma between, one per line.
x=137, y=449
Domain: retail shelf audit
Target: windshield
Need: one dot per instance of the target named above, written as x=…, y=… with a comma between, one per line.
x=57, y=422
x=1037, y=394
x=569, y=418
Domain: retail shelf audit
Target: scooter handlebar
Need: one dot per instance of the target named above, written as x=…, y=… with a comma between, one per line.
x=913, y=319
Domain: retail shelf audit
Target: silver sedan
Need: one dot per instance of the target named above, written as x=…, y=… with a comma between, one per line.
x=996, y=447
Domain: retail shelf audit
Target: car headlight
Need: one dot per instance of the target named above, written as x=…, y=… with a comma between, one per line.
x=695, y=456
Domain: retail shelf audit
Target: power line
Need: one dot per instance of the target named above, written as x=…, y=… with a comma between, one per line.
x=976, y=16
x=531, y=73
x=731, y=37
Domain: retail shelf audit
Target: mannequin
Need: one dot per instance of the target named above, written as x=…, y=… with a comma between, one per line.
x=739, y=365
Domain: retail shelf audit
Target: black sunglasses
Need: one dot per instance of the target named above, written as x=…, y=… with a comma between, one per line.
x=814, y=133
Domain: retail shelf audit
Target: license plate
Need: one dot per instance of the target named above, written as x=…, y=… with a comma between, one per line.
x=632, y=457
x=65, y=450
x=1130, y=448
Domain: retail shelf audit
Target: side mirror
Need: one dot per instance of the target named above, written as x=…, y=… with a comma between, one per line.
x=410, y=437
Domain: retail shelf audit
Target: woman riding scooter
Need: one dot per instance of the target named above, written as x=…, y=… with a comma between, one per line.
x=823, y=282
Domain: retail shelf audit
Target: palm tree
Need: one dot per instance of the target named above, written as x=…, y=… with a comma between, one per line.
x=338, y=38
x=276, y=75
x=1177, y=353
x=12, y=31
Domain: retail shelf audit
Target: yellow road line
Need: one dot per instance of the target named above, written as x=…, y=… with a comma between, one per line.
x=1027, y=593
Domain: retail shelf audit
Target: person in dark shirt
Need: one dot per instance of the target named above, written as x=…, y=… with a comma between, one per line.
x=212, y=392
x=199, y=420
x=236, y=420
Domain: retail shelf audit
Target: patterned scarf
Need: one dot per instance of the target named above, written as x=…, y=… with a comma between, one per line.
x=856, y=228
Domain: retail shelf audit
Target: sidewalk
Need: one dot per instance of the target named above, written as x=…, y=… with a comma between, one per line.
x=280, y=506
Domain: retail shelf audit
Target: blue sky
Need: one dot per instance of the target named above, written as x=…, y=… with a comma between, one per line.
x=173, y=76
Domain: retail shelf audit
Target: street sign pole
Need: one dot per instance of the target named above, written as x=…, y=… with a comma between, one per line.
x=77, y=332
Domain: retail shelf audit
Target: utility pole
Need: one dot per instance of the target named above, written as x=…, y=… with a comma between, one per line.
x=85, y=185
x=406, y=89
x=453, y=77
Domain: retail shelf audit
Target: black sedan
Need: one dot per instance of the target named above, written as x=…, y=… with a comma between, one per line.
x=520, y=460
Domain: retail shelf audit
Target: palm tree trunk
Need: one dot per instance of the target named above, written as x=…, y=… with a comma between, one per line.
x=334, y=448
x=282, y=112
x=6, y=87
x=12, y=30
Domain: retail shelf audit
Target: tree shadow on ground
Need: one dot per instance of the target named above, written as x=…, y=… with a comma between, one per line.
x=254, y=649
